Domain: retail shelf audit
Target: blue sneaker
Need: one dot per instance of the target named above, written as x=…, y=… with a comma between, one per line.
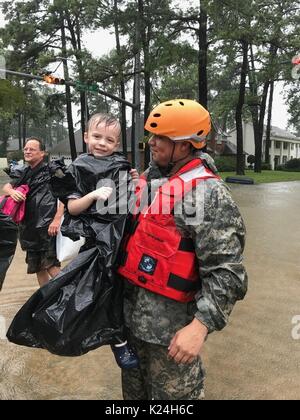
x=125, y=357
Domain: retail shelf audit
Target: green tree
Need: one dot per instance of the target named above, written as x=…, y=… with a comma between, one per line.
x=11, y=101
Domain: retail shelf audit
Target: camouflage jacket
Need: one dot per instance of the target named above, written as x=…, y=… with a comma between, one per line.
x=218, y=233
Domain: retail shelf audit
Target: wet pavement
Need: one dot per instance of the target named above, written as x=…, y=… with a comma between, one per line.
x=255, y=357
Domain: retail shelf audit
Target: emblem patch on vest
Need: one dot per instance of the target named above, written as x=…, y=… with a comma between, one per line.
x=148, y=264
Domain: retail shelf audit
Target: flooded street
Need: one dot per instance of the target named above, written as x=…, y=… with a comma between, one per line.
x=255, y=357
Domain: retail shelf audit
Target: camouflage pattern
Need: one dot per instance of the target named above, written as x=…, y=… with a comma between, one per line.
x=219, y=238
x=207, y=160
x=165, y=379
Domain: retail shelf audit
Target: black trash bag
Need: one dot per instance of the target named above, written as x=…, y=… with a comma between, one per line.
x=85, y=175
x=81, y=309
x=41, y=205
x=77, y=312
x=8, y=244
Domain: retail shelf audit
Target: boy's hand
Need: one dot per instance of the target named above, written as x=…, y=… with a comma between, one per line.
x=102, y=193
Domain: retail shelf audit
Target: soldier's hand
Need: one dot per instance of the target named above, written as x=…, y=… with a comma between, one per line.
x=186, y=346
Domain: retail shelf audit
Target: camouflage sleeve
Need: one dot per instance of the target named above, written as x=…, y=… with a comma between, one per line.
x=218, y=233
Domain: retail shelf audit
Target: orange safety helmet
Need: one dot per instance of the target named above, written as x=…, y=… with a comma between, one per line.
x=180, y=120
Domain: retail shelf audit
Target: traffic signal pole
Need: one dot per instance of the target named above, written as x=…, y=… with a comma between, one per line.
x=24, y=75
x=80, y=86
x=93, y=88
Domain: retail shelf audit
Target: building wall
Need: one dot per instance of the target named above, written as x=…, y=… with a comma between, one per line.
x=288, y=149
x=249, y=145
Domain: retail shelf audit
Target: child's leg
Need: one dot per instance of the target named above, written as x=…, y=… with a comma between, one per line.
x=124, y=355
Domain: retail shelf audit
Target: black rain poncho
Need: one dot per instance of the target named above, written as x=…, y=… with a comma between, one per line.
x=8, y=243
x=81, y=309
x=41, y=205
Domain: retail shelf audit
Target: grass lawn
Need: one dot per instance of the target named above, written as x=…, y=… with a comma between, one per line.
x=266, y=176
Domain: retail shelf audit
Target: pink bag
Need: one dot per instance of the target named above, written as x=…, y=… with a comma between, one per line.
x=13, y=209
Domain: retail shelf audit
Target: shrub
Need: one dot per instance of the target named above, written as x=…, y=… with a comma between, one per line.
x=293, y=164
x=266, y=167
x=225, y=163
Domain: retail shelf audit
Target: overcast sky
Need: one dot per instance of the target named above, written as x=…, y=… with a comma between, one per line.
x=101, y=42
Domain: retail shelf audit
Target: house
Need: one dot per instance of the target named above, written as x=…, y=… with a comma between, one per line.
x=218, y=143
x=284, y=145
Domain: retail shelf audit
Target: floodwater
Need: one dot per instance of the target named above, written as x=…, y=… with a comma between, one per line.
x=255, y=357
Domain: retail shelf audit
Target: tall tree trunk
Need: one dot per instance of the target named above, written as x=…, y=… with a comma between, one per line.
x=24, y=127
x=121, y=78
x=136, y=111
x=254, y=91
x=202, y=62
x=269, y=123
x=50, y=143
x=83, y=104
x=145, y=36
x=258, y=145
x=240, y=161
x=68, y=93
x=258, y=150
x=20, y=130
x=75, y=32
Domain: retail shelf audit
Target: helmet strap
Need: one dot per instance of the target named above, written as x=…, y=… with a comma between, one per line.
x=167, y=171
x=171, y=164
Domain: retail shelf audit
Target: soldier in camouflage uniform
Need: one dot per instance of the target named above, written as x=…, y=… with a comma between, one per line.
x=168, y=335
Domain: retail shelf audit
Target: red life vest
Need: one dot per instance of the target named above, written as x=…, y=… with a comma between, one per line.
x=155, y=255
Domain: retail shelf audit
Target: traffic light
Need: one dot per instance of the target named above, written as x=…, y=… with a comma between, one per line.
x=49, y=78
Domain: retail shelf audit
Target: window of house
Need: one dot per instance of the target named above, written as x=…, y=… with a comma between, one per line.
x=284, y=159
x=285, y=146
x=277, y=144
x=292, y=146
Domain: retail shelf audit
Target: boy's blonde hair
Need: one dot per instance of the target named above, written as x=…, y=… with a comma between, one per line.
x=99, y=118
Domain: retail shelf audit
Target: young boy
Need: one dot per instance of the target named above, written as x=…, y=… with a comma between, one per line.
x=103, y=140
